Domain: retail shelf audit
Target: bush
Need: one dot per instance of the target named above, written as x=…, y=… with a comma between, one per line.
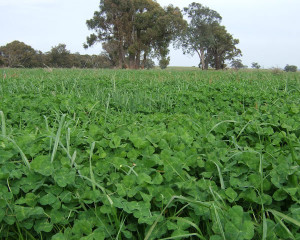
x=237, y=64
x=149, y=64
x=290, y=68
x=164, y=62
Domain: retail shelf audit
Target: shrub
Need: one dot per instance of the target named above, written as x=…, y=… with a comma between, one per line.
x=149, y=64
x=290, y=68
x=164, y=62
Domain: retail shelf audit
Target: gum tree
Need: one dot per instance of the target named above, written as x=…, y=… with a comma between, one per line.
x=136, y=29
x=206, y=37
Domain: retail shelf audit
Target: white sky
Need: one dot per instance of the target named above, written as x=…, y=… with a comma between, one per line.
x=268, y=30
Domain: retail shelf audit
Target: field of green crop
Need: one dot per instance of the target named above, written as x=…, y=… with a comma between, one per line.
x=119, y=154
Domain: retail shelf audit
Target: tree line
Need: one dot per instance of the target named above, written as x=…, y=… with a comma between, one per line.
x=133, y=31
x=19, y=54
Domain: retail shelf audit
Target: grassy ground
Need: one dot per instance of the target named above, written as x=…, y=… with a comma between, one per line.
x=120, y=154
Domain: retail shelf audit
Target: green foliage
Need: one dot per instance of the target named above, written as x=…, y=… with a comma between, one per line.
x=149, y=64
x=60, y=56
x=237, y=64
x=18, y=54
x=164, y=62
x=149, y=154
x=290, y=68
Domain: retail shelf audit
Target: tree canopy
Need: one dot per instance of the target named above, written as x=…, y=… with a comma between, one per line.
x=290, y=68
x=17, y=54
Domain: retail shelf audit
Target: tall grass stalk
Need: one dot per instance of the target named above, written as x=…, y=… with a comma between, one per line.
x=23, y=156
x=57, y=137
x=219, y=221
x=3, y=126
x=107, y=106
x=91, y=168
x=68, y=139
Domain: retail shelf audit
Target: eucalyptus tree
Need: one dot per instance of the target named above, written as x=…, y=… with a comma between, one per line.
x=59, y=56
x=17, y=54
x=206, y=37
x=199, y=34
x=136, y=28
x=290, y=68
x=221, y=48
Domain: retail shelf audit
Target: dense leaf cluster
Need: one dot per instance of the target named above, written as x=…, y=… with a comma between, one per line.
x=290, y=68
x=88, y=154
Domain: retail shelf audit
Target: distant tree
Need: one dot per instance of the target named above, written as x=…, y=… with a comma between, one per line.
x=206, y=37
x=1, y=61
x=59, y=56
x=132, y=29
x=198, y=34
x=17, y=54
x=255, y=65
x=111, y=52
x=222, y=48
x=237, y=64
x=164, y=62
x=290, y=68
x=149, y=64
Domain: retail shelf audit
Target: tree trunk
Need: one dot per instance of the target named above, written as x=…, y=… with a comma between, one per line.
x=202, y=57
x=138, y=60
x=217, y=61
x=131, y=61
x=144, y=60
x=121, y=54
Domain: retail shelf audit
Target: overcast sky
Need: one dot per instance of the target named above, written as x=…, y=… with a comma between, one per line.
x=268, y=30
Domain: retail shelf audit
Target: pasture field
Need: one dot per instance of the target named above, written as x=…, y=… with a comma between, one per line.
x=120, y=154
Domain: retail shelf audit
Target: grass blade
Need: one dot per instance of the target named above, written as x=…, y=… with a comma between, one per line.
x=219, y=222
x=285, y=227
x=73, y=158
x=3, y=127
x=23, y=156
x=91, y=168
x=57, y=137
x=100, y=187
x=203, y=204
x=285, y=217
x=265, y=227
x=184, y=236
x=68, y=139
x=220, y=176
x=225, y=121
x=191, y=224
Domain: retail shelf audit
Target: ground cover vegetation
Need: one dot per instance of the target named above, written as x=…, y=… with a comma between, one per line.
x=126, y=154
